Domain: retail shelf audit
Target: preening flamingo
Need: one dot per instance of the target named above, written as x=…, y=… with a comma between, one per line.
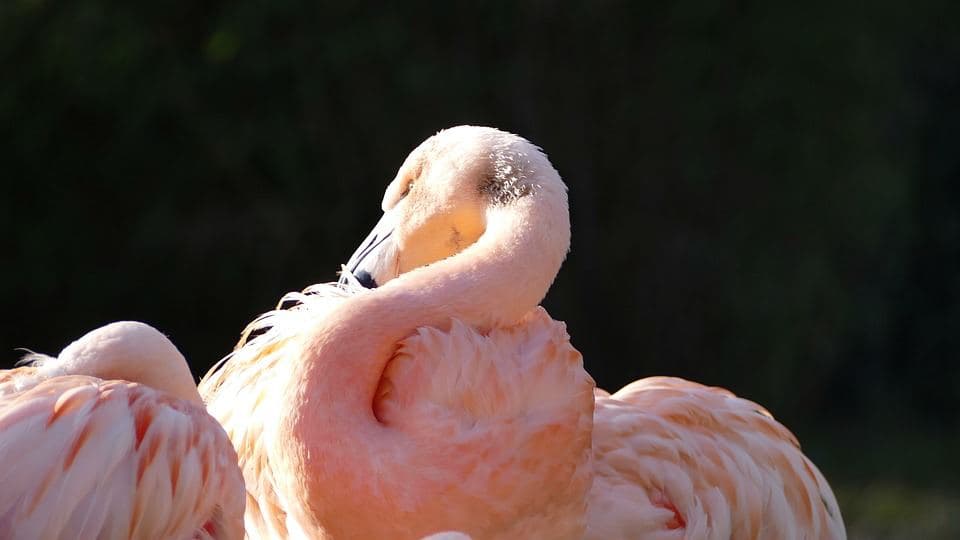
x=444, y=398
x=110, y=440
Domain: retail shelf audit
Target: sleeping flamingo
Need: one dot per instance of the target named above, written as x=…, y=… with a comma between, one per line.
x=110, y=440
x=443, y=398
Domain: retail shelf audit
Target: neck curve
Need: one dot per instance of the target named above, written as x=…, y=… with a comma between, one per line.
x=333, y=381
x=493, y=282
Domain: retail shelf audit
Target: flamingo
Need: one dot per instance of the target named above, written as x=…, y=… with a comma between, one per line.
x=111, y=440
x=428, y=391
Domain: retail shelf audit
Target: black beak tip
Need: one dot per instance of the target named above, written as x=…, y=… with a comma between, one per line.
x=366, y=279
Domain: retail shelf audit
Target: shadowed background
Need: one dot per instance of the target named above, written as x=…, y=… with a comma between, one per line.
x=764, y=198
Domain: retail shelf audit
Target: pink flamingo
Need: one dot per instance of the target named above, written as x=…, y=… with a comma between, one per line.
x=111, y=440
x=444, y=398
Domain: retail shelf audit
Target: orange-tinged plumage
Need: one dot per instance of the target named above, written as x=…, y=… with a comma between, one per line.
x=485, y=433
x=414, y=408
x=88, y=457
x=442, y=398
x=675, y=459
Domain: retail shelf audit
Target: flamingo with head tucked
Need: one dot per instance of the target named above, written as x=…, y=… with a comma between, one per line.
x=110, y=440
x=419, y=406
x=444, y=398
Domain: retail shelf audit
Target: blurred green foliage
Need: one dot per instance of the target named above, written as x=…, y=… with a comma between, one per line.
x=764, y=197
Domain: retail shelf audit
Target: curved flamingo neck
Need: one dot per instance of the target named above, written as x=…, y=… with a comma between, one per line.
x=333, y=382
x=493, y=282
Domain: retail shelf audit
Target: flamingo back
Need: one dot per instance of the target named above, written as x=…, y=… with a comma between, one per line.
x=675, y=459
x=86, y=458
x=497, y=426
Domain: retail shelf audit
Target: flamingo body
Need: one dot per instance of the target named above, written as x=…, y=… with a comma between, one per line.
x=485, y=433
x=85, y=457
x=444, y=398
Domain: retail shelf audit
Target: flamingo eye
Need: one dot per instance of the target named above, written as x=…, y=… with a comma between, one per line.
x=406, y=189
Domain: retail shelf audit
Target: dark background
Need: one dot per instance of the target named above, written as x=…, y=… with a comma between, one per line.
x=763, y=197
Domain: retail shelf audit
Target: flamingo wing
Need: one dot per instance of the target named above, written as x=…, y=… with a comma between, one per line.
x=241, y=393
x=675, y=459
x=241, y=396
x=86, y=458
x=501, y=421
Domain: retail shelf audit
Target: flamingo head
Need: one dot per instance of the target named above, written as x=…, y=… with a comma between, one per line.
x=447, y=192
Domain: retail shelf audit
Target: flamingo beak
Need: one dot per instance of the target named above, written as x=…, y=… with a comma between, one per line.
x=375, y=262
